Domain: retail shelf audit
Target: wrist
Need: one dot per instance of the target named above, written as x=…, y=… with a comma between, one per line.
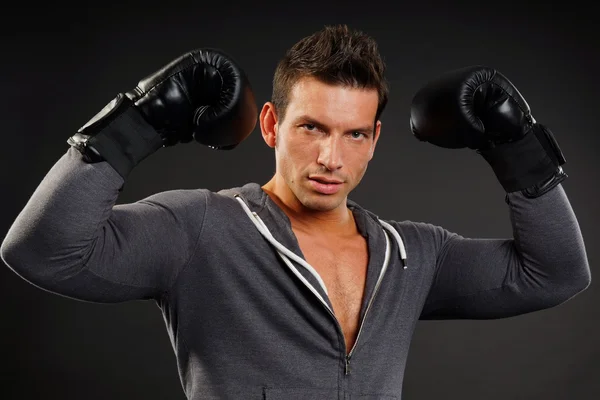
x=119, y=135
x=531, y=164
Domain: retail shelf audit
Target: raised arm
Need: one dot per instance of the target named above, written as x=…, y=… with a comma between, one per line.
x=72, y=240
x=544, y=263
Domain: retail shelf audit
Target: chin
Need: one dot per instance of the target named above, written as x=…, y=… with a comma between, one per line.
x=318, y=202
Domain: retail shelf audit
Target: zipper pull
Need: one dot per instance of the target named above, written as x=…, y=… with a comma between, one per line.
x=347, y=369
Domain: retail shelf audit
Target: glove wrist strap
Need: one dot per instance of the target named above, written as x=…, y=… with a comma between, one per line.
x=532, y=164
x=119, y=135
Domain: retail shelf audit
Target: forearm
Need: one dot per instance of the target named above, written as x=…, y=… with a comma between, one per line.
x=550, y=258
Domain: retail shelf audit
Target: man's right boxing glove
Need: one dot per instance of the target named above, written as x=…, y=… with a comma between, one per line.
x=201, y=95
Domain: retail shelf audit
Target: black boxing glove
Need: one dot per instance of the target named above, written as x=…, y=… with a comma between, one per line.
x=201, y=95
x=479, y=108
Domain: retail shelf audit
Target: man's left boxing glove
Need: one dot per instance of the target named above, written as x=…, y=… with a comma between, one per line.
x=479, y=108
x=202, y=95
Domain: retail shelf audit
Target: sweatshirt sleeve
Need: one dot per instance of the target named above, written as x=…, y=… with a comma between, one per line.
x=72, y=240
x=543, y=265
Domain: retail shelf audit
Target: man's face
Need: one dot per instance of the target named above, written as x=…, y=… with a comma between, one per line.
x=325, y=142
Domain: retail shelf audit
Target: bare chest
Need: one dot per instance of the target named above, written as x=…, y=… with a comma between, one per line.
x=343, y=267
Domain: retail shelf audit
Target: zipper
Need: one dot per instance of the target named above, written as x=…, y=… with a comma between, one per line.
x=362, y=323
x=347, y=368
x=321, y=300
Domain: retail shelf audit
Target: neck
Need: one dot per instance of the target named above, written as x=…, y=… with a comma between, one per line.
x=338, y=221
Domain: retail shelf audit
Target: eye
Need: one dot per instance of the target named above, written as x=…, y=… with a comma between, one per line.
x=309, y=127
x=357, y=135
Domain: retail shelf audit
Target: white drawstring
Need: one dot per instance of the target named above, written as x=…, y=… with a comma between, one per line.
x=398, y=240
x=284, y=252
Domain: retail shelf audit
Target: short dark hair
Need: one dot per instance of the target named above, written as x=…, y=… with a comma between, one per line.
x=336, y=55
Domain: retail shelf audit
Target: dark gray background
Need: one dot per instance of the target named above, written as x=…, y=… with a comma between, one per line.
x=61, y=65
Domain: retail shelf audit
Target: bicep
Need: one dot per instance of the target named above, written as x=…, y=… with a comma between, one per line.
x=137, y=253
x=480, y=279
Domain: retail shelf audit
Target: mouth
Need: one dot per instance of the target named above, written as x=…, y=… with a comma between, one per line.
x=325, y=186
x=326, y=181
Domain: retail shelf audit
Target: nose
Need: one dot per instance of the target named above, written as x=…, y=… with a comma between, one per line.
x=330, y=153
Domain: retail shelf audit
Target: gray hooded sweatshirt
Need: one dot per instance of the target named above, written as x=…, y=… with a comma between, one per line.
x=248, y=318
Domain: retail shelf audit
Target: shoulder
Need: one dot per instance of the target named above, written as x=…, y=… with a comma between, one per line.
x=178, y=198
x=197, y=201
x=422, y=230
x=413, y=231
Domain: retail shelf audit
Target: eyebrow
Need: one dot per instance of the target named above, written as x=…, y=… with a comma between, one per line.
x=312, y=121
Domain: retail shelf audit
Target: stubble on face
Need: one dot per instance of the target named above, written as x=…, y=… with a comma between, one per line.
x=301, y=152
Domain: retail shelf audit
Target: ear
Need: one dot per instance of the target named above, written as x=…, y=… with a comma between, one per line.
x=375, y=139
x=268, y=124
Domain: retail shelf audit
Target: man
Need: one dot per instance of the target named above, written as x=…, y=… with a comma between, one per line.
x=290, y=290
